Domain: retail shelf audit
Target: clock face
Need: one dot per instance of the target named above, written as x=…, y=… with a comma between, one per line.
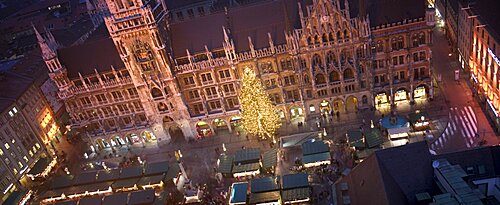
x=142, y=52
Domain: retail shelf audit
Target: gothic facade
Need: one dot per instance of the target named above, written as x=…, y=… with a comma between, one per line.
x=165, y=75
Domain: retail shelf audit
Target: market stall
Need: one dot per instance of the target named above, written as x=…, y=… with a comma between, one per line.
x=264, y=191
x=114, y=199
x=315, y=153
x=318, y=159
x=419, y=120
x=238, y=193
x=225, y=165
x=243, y=170
x=247, y=155
x=355, y=138
x=155, y=168
x=398, y=133
x=374, y=138
x=295, y=188
x=269, y=160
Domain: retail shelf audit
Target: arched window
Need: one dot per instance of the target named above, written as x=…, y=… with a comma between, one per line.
x=331, y=58
x=339, y=36
x=167, y=91
x=330, y=36
x=334, y=76
x=303, y=63
x=320, y=79
x=348, y=74
x=380, y=46
x=401, y=43
x=316, y=61
x=394, y=44
x=316, y=39
x=325, y=38
x=414, y=40
x=162, y=107
x=156, y=93
x=346, y=35
x=421, y=38
x=309, y=40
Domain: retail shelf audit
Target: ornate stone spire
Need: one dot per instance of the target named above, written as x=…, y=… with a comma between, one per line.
x=47, y=52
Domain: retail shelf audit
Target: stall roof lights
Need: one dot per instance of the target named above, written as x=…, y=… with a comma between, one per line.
x=494, y=56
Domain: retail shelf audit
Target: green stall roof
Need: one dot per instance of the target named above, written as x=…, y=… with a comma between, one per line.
x=316, y=157
x=318, y=146
x=269, y=159
x=155, y=168
x=272, y=196
x=297, y=180
x=246, y=167
x=225, y=164
x=374, y=138
x=248, y=155
x=295, y=194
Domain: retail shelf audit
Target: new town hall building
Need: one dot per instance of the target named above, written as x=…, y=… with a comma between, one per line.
x=161, y=68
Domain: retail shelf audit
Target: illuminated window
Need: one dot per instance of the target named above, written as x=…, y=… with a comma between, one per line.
x=20, y=164
x=25, y=158
x=1, y=152
x=37, y=145
x=13, y=141
x=31, y=153
x=15, y=171
x=7, y=146
x=14, y=109
x=11, y=113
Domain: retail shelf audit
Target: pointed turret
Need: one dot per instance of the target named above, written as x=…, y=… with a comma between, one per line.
x=47, y=52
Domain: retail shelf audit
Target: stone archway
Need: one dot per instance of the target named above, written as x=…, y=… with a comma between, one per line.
x=401, y=95
x=338, y=105
x=148, y=136
x=325, y=107
x=203, y=130
x=351, y=104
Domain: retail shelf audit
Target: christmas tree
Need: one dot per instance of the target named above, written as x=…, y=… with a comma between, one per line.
x=259, y=115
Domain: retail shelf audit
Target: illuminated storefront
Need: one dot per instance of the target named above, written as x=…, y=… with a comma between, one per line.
x=203, y=130
x=400, y=95
x=381, y=99
x=419, y=92
x=324, y=106
x=296, y=112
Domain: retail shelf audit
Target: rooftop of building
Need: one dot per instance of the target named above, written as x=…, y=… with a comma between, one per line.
x=379, y=178
x=97, y=52
x=489, y=15
x=274, y=17
x=54, y=14
x=16, y=76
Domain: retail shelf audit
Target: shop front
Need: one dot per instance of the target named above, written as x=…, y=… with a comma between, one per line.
x=381, y=99
x=324, y=107
x=419, y=92
x=133, y=139
x=493, y=114
x=220, y=124
x=148, y=136
x=203, y=130
x=296, y=112
x=400, y=95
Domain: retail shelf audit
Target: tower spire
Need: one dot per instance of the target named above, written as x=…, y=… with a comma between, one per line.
x=47, y=52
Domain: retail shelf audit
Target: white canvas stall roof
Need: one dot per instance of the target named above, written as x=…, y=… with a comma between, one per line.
x=395, y=131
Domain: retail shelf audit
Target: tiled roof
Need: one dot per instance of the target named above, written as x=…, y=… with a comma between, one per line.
x=254, y=20
x=380, y=178
x=389, y=11
x=98, y=52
